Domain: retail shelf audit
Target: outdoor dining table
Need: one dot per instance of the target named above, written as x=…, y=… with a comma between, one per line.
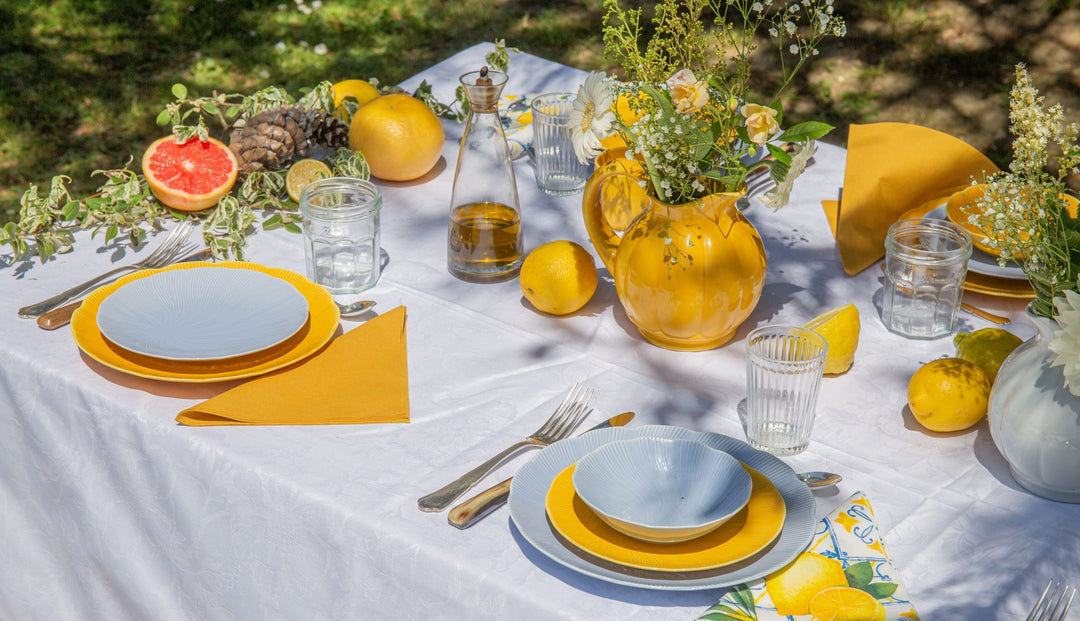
x=110, y=509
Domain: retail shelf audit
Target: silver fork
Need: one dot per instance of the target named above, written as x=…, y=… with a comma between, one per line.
x=562, y=422
x=174, y=246
x=1053, y=605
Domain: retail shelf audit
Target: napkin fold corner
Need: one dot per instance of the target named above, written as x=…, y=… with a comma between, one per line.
x=360, y=377
x=847, y=557
x=893, y=168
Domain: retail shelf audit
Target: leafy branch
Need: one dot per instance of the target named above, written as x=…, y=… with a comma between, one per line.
x=124, y=206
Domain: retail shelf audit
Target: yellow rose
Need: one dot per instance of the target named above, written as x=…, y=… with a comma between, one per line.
x=687, y=93
x=760, y=122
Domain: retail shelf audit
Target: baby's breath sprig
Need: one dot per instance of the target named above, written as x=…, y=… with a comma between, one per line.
x=686, y=109
x=1024, y=211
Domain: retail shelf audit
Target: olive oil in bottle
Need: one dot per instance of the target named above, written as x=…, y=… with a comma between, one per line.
x=484, y=243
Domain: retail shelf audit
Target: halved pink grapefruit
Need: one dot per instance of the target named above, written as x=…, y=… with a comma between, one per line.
x=189, y=176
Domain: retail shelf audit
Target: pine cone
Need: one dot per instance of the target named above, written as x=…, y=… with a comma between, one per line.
x=268, y=140
x=275, y=138
x=323, y=130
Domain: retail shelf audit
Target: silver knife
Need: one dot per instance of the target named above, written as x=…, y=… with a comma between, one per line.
x=479, y=506
x=60, y=317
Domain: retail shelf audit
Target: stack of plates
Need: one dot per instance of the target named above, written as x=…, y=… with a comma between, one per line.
x=205, y=322
x=776, y=525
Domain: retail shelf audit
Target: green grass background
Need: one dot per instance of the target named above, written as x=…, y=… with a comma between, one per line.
x=81, y=81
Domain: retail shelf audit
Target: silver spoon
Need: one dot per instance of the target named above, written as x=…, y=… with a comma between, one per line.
x=819, y=479
x=355, y=307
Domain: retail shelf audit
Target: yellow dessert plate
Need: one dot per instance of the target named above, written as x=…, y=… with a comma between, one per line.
x=746, y=534
x=955, y=213
x=322, y=323
x=999, y=287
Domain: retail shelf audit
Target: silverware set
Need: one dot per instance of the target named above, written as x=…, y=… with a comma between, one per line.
x=170, y=251
x=573, y=409
x=1054, y=603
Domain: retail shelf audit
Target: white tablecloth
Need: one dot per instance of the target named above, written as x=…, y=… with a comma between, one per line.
x=110, y=510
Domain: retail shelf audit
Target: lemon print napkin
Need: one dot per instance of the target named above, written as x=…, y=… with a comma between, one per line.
x=893, y=168
x=361, y=377
x=844, y=574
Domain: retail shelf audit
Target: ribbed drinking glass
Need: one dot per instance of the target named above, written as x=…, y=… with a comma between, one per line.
x=784, y=365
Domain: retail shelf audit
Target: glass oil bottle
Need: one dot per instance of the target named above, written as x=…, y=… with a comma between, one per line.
x=485, y=243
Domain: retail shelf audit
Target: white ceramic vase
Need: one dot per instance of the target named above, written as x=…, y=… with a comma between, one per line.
x=1035, y=420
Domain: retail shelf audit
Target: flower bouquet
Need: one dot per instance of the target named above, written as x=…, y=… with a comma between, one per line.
x=687, y=111
x=1026, y=213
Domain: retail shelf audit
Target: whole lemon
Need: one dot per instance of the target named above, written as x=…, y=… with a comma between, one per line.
x=987, y=348
x=794, y=587
x=360, y=90
x=400, y=137
x=840, y=328
x=558, y=277
x=948, y=394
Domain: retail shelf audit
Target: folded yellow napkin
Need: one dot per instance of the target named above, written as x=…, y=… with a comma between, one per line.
x=845, y=565
x=361, y=377
x=893, y=168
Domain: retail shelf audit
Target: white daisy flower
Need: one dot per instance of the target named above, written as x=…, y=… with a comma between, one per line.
x=1066, y=341
x=592, y=116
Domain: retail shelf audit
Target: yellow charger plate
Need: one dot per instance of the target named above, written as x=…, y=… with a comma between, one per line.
x=982, y=283
x=954, y=211
x=322, y=323
x=746, y=534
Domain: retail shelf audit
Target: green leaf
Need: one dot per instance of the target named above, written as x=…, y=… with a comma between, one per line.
x=881, y=590
x=743, y=596
x=292, y=227
x=210, y=108
x=778, y=153
x=163, y=117
x=807, y=130
x=859, y=575
x=273, y=222
x=111, y=232
x=179, y=91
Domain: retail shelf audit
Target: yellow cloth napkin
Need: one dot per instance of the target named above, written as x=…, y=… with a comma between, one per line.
x=361, y=377
x=846, y=563
x=893, y=168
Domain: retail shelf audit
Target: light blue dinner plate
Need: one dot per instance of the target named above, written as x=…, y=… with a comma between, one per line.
x=982, y=262
x=530, y=487
x=206, y=313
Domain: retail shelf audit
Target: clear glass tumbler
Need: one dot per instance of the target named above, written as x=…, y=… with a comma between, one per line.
x=558, y=171
x=784, y=365
x=925, y=265
x=341, y=233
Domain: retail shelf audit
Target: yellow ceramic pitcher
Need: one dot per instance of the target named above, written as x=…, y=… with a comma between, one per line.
x=687, y=275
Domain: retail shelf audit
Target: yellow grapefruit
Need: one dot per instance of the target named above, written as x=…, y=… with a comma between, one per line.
x=189, y=176
x=400, y=137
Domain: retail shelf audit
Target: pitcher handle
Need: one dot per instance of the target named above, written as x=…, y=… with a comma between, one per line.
x=604, y=236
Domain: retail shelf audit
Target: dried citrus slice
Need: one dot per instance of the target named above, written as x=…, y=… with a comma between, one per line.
x=190, y=176
x=302, y=173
